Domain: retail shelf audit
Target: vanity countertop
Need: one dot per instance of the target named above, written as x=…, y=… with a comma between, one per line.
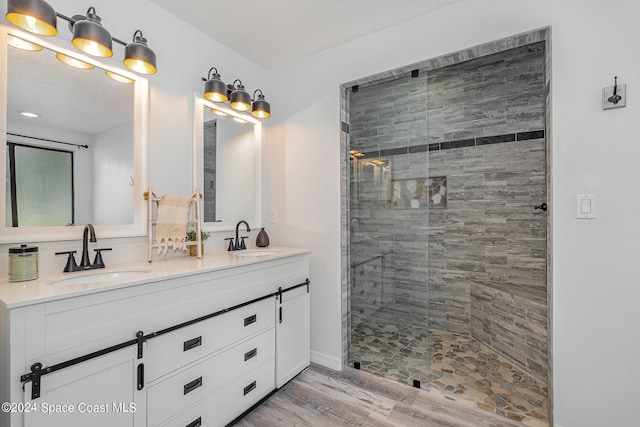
x=18, y=294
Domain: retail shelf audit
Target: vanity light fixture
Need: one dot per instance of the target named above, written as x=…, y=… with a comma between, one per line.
x=138, y=56
x=239, y=99
x=89, y=36
x=19, y=43
x=76, y=63
x=214, y=88
x=118, y=77
x=35, y=16
x=260, y=107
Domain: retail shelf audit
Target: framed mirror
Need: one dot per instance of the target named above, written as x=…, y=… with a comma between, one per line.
x=227, y=165
x=83, y=158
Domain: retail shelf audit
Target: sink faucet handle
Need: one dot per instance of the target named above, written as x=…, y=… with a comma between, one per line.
x=98, y=262
x=71, y=261
x=230, y=239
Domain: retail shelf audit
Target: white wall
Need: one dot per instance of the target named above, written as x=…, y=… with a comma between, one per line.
x=235, y=176
x=112, y=176
x=596, y=343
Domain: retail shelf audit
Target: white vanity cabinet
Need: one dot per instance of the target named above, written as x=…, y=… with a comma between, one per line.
x=210, y=345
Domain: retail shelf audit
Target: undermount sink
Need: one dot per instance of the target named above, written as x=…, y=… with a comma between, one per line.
x=99, y=277
x=255, y=253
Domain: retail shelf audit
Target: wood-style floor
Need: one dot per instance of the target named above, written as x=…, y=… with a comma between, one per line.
x=323, y=397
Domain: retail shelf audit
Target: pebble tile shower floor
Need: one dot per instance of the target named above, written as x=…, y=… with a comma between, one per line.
x=454, y=365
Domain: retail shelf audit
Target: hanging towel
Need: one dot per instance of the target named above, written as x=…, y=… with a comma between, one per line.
x=171, y=228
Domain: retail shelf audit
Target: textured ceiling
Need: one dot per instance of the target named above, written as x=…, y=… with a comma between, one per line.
x=275, y=33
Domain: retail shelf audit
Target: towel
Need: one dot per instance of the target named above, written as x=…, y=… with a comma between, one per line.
x=171, y=228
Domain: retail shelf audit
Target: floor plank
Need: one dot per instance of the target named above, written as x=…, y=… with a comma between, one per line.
x=324, y=397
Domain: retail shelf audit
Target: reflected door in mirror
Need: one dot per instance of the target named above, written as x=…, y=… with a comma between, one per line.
x=39, y=187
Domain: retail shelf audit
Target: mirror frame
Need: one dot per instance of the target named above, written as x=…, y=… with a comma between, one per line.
x=199, y=105
x=140, y=142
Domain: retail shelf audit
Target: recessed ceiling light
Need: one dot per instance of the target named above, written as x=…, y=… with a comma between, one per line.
x=28, y=114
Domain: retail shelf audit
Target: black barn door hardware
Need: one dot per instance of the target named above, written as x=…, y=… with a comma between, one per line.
x=37, y=369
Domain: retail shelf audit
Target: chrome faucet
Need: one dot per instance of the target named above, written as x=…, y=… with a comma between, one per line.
x=89, y=235
x=239, y=242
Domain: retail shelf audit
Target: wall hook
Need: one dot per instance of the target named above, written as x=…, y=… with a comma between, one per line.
x=615, y=98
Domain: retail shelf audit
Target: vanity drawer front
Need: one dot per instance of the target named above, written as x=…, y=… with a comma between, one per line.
x=175, y=349
x=230, y=402
x=183, y=389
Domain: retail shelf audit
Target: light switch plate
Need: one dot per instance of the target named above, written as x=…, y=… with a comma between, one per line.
x=607, y=93
x=273, y=216
x=585, y=206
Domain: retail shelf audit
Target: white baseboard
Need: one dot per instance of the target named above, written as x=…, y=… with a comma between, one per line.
x=330, y=362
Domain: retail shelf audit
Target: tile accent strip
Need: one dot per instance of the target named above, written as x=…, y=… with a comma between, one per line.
x=460, y=143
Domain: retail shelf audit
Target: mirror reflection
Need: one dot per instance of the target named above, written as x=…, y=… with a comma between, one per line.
x=229, y=167
x=70, y=143
x=227, y=159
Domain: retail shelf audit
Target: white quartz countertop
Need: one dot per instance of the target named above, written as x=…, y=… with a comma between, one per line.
x=44, y=289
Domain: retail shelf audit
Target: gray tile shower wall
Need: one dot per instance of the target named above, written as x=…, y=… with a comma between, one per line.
x=481, y=125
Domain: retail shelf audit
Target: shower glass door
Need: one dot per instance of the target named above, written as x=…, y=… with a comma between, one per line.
x=391, y=194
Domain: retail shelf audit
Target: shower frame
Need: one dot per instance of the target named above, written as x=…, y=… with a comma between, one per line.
x=507, y=43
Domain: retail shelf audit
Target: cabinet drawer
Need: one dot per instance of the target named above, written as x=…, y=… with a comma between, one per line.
x=183, y=389
x=228, y=403
x=183, y=346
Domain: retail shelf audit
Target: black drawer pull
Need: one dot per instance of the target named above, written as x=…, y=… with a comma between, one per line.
x=141, y=376
x=249, y=320
x=195, y=423
x=248, y=389
x=193, y=343
x=250, y=354
x=188, y=388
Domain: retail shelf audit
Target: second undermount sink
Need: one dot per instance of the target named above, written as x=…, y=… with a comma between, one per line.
x=95, y=277
x=255, y=253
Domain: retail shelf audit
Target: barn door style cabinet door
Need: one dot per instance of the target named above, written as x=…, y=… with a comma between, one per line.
x=99, y=393
x=292, y=333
